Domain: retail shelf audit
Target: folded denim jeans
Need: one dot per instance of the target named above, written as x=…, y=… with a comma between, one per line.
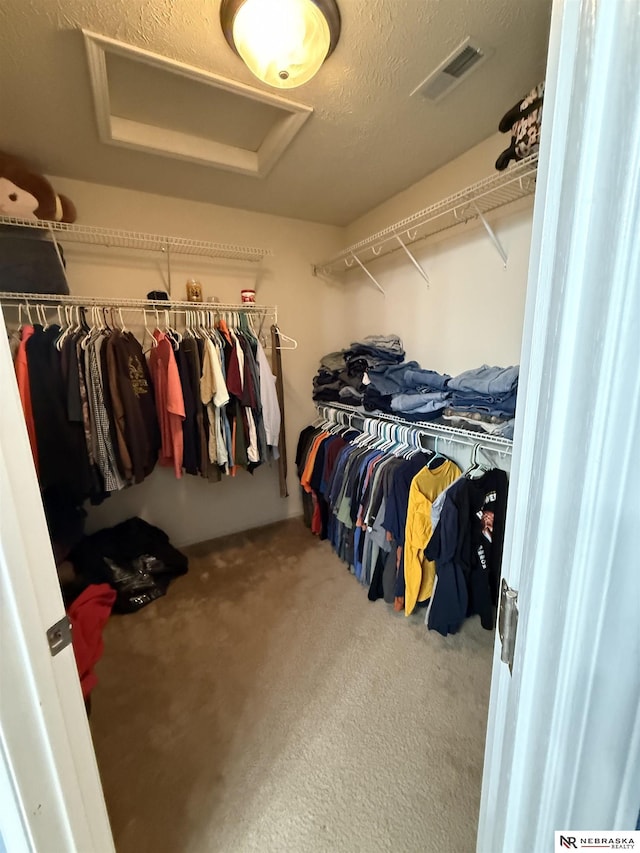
x=390, y=379
x=420, y=403
x=417, y=378
x=502, y=405
x=486, y=380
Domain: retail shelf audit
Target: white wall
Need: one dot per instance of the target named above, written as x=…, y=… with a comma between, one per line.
x=473, y=311
x=191, y=509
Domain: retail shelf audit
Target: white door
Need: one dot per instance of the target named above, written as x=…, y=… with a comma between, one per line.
x=50, y=789
x=563, y=740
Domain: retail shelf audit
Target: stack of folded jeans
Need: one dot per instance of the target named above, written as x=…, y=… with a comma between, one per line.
x=485, y=395
x=406, y=390
x=372, y=373
x=490, y=390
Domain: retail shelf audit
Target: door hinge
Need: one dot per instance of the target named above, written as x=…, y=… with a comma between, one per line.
x=59, y=636
x=508, y=623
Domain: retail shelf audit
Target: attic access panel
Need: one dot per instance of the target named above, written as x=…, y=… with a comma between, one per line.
x=150, y=103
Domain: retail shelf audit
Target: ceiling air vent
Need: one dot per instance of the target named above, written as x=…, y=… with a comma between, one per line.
x=453, y=70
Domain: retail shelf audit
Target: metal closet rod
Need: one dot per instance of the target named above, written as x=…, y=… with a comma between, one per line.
x=140, y=304
x=447, y=433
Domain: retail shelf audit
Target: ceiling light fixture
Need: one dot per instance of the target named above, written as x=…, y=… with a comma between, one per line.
x=282, y=42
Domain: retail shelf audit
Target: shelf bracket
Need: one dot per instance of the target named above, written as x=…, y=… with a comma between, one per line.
x=413, y=260
x=362, y=266
x=168, y=251
x=492, y=235
x=59, y=256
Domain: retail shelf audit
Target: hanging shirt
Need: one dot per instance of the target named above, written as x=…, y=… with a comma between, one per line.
x=269, y=397
x=62, y=457
x=251, y=434
x=220, y=400
x=130, y=382
x=169, y=402
x=189, y=436
x=101, y=438
x=467, y=548
x=282, y=444
x=214, y=395
x=24, y=389
x=110, y=376
x=418, y=571
x=189, y=347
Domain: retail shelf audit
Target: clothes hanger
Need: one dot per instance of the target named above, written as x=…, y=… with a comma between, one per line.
x=259, y=334
x=16, y=334
x=174, y=336
x=82, y=319
x=106, y=328
x=147, y=331
x=319, y=416
x=89, y=335
x=286, y=338
x=476, y=468
x=42, y=316
x=187, y=329
x=65, y=325
x=411, y=442
x=437, y=459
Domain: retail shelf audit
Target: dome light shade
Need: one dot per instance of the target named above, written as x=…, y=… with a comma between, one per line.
x=282, y=42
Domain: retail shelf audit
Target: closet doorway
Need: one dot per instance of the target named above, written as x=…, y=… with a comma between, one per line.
x=87, y=811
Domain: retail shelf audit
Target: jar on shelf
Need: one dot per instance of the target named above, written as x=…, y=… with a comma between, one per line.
x=194, y=291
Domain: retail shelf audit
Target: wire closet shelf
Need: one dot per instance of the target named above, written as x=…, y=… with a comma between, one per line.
x=487, y=195
x=52, y=299
x=121, y=239
x=447, y=433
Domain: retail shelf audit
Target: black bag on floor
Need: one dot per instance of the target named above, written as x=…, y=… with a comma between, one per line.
x=134, y=557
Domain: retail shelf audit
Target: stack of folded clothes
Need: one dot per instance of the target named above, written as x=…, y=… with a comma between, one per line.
x=484, y=398
x=373, y=375
x=341, y=374
x=406, y=390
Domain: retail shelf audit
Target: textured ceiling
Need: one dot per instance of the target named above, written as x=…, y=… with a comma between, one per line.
x=366, y=140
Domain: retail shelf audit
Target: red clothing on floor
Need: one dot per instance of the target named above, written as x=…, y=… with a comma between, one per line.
x=89, y=614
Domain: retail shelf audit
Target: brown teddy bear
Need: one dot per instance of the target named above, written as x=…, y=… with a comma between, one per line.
x=26, y=195
x=30, y=260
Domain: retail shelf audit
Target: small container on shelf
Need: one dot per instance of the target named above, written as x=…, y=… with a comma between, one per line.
x=194, y=291
x=248, y=297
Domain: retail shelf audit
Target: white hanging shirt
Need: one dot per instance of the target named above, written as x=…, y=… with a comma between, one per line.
x=268, y=396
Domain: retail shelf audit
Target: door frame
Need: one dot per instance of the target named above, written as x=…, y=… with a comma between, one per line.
x=563, y=737
x=52, y=795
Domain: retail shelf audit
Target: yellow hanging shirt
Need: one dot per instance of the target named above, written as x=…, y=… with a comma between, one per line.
x=419, y=573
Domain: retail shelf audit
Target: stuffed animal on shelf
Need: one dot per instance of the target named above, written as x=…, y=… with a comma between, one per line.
x=31, y=261
x=523, y=121
x=27, y=195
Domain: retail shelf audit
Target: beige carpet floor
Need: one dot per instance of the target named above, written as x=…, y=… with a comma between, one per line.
x=266, y=705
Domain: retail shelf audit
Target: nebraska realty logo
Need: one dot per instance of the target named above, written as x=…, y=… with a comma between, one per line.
x=573, y=840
